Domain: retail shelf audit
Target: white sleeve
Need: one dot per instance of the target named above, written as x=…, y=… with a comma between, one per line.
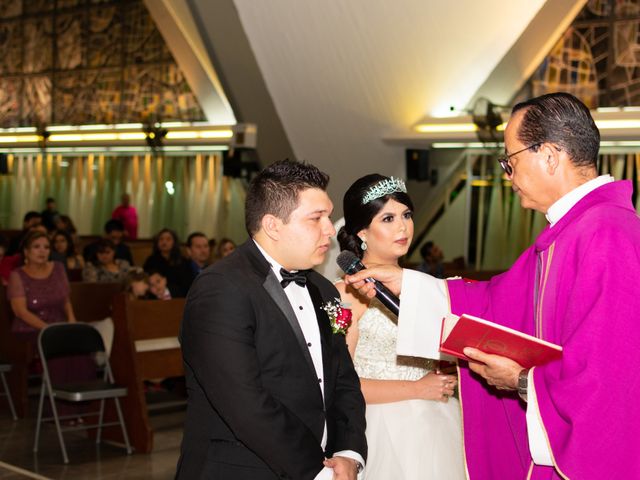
x=424, y=303
x=325, y=474
x=540, y=452
x=354, y=456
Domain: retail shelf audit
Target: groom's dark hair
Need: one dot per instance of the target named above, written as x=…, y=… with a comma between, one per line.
x=275, y=191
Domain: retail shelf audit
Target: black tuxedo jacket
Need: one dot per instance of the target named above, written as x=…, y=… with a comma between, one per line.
x=255, y=408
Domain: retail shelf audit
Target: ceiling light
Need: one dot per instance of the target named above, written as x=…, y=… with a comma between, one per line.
x=446, y=127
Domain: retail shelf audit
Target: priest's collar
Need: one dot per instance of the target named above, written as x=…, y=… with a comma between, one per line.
x=560, y=208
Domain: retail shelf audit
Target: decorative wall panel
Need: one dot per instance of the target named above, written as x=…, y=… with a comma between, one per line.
x=87, y=61
x=598, y=57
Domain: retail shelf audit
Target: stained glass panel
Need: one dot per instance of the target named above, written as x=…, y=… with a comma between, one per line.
x=598, y=57
x=37, y=6
x=104, y=37
x=11, y=47
x=142, y=41
x=10, y=8
x=38, y=48
x=69, y=42
x=10, y=93
x=36, y=100
x=87, y=61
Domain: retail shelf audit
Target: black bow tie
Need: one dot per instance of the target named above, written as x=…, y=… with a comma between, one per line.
x=299, y=277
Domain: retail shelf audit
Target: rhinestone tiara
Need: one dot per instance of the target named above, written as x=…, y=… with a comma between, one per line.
x=384, y=187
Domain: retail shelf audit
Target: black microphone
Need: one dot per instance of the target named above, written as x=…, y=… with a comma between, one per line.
x=350, y=264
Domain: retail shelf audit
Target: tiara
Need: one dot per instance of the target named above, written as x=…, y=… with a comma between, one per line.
x=385, y=187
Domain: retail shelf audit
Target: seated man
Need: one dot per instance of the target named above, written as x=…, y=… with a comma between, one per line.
x=114, y=231
x=432, y=260
x=198, y=251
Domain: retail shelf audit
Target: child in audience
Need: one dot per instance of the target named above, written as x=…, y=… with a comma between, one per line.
x=158, y=285
x=137, y=285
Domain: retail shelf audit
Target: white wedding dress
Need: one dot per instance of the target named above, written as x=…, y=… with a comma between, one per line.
x=412, y=439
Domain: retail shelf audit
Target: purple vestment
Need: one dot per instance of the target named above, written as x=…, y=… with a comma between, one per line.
x=576, y=286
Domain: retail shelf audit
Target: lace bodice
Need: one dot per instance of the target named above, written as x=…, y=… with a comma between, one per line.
x=375, y=355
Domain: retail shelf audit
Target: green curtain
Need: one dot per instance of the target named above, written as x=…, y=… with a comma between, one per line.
x=185, y=193
x=495, y=239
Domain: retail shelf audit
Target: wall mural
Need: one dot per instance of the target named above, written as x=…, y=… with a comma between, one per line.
x=598, y=57
x=86, y=62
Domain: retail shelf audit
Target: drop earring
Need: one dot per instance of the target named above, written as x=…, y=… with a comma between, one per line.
x=363, y=245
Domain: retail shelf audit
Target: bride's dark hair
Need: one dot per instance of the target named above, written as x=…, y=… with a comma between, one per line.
x=358, y=216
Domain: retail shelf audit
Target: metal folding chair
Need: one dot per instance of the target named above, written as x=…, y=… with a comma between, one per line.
x=4, y=368
x=70, y=339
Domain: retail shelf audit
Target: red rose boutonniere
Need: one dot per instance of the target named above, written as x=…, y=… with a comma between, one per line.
x=339, y=316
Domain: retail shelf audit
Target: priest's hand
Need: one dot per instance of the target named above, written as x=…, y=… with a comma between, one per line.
x=500, y=372
x=390, y=275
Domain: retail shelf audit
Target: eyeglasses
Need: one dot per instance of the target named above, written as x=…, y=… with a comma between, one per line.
x=504, y=159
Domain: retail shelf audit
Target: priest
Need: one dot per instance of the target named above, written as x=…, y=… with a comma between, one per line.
x=576, y=286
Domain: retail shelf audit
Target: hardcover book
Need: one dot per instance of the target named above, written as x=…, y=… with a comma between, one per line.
x=468, y=331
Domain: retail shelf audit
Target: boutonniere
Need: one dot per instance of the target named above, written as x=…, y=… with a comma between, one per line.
x=339, y=316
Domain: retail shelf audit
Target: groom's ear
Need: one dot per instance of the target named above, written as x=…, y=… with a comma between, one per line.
x=271, y=225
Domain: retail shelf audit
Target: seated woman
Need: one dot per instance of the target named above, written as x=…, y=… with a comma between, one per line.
x=106, y=268
x=64, y=246
x=10, y=262
x=64, y=222
x=225, y=247
x=167, y=259
x=39, y=296
x=38, y=290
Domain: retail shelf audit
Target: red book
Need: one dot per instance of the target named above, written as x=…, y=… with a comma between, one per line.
x=467, y=331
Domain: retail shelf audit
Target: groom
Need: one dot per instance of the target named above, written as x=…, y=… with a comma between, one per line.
x=272, y=391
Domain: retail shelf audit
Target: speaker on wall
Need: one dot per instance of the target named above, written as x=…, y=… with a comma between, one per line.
x=418, y=164
x=4, y=164
x=240, y=163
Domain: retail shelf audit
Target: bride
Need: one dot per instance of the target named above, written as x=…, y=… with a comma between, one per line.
x=413, y=425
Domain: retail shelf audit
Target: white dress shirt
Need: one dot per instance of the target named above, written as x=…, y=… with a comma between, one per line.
x=302, y=305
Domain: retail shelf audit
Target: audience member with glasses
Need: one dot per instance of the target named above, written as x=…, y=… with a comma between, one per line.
x=575, y=286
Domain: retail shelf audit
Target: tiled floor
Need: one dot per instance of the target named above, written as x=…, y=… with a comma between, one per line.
x=86, y=460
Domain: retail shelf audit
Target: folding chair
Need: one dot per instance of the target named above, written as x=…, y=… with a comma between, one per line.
x=4, y=368
x=68, y=339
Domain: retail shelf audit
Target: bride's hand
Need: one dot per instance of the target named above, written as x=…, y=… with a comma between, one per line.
x=435, y=386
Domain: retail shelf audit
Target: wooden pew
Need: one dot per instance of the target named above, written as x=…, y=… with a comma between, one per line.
x=10, y=233
x=91, y=302
x=18, y=352
x=145, y=347
x=140, y=250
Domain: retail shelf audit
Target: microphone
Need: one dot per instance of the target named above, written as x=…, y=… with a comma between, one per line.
x=350, y=264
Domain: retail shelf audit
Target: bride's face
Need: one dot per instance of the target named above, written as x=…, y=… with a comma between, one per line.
x=390, y=233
